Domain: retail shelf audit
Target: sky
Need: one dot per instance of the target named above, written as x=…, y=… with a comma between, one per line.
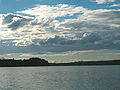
x=60, y=30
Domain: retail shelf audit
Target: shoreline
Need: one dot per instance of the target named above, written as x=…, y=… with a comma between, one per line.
x=36, y=62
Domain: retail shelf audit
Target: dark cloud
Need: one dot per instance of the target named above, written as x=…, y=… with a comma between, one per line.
x=19, y=23
x=57, y=40
x=15, y=21
x=9, y=18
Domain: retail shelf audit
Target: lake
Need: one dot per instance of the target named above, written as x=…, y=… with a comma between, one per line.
x=60, y=78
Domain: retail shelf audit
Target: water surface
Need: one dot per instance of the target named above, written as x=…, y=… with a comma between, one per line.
x=60, y=78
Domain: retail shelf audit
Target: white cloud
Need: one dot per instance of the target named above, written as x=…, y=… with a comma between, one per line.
x=103, y=1
x=46, y=11
x=115, y=5
x=89, y=27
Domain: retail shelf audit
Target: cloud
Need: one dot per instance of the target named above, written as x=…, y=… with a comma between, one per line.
x=26, y=54
x=85, y=38
x=70, y=56
x=46, y=11
x=115, y=5
x=14, y=21
x=103, y=1
x=40, y=29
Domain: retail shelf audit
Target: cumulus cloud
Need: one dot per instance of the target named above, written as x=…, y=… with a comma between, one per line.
x=85, y=38
x=46, y=11
x=90, y=29
x=103, y=1
x=14, y=21
x=115, y=5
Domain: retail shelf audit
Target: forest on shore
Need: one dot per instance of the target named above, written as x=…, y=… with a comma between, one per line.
x=42, y=62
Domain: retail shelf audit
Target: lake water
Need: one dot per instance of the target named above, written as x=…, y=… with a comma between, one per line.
x=60, y=78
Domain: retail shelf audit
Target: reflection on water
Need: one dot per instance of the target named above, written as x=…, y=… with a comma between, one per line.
x=60, y=78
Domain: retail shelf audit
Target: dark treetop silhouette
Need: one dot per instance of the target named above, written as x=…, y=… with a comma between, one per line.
x=42, y=62
x=26, y=62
